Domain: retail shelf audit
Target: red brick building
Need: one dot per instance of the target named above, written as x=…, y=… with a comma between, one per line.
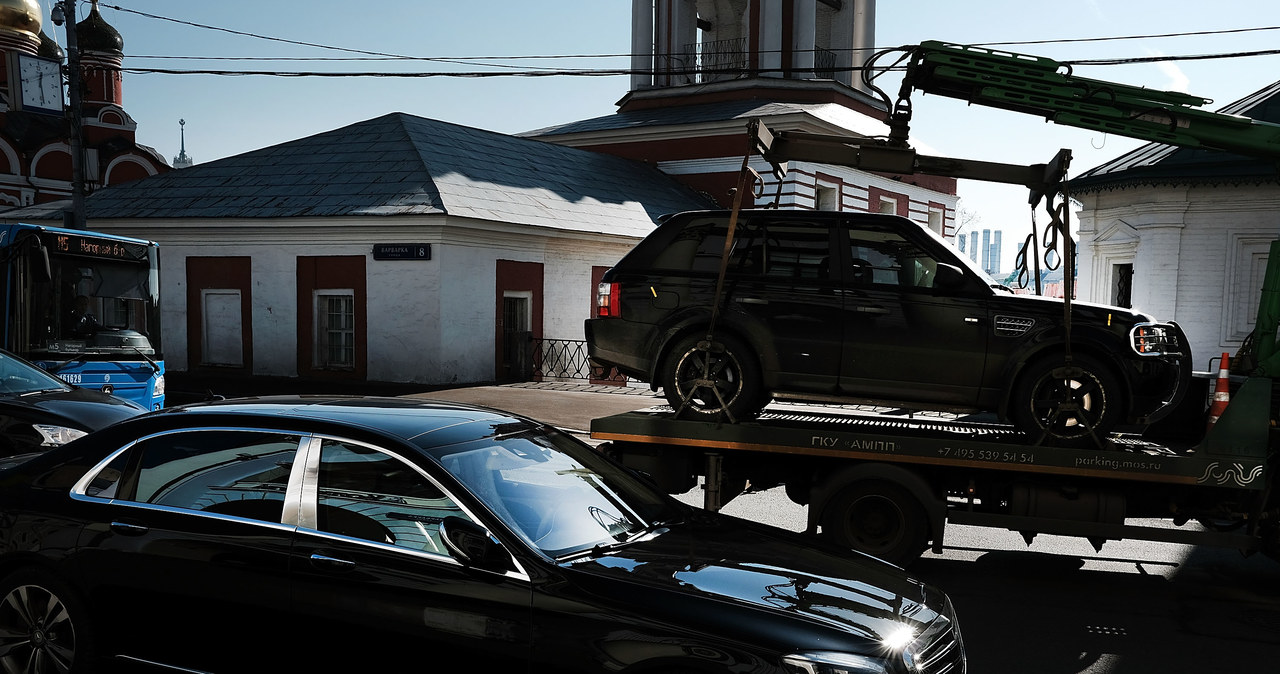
x=35, y=147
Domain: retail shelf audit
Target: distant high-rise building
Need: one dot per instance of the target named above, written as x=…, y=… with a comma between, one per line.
x=985, y=252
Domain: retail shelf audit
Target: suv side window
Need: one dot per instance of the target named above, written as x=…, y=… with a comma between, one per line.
x=772, y=249
x=797, y=251
x=701, y=243
x=368, y=494
x=884, y=258
x=241, y=473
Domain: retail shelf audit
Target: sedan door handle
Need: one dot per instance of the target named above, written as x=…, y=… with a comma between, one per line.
x=871, y=310
x=751, y=300
x=332, y=562
x=126, y=529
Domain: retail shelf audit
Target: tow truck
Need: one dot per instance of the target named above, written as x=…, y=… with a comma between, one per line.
x=888, y=482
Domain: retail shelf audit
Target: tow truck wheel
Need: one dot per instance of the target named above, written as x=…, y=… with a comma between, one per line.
x=1062, y=405
x=704, y=381
x=879, y=518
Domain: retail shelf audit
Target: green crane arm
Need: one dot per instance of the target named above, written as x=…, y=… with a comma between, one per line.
x=1044, y=87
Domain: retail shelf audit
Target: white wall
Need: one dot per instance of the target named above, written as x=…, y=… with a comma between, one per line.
x=427, y=321
x=1198, y=255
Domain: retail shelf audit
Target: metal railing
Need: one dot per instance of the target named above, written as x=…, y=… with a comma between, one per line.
x=554, y=359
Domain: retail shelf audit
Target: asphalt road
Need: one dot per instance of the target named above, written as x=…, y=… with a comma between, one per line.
x=1060, y=607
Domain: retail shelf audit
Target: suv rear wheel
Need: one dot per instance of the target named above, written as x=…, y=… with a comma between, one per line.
x=706, y=380
x=1064, y=404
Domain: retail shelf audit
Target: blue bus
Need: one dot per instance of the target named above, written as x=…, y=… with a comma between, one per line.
x=85, y=306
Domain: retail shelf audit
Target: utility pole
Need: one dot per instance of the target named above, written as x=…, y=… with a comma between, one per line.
x=66, y=12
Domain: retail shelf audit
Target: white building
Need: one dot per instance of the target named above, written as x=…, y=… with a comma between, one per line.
x=1183, y=234
x=398, y=249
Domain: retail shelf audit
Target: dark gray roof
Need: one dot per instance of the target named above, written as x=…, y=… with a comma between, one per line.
x=1159, y=163
x=744, y=110
x=399, y=164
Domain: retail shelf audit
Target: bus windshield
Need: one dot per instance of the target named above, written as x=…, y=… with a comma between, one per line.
x=102, y=297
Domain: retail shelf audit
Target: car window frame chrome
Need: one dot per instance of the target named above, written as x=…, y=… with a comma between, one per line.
x=308, y=468
x=301, y=492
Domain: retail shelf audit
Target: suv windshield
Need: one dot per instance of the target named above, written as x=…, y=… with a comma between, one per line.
x=557, y=494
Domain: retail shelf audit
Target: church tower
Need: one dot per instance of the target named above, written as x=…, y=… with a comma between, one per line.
x=798, y=50
x=703, y=69
x=35, y=146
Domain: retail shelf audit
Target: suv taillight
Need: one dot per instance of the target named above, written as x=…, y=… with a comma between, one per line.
x=608, y=300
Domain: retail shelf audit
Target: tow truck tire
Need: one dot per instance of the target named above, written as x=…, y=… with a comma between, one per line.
x=1037, y=393
x=880, y=518
x=724, y=378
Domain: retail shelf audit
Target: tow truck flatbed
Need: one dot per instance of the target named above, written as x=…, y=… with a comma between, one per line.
x=930, y=470
x=886, y=437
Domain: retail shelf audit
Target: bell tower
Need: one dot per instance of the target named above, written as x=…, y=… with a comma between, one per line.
x=800, y=50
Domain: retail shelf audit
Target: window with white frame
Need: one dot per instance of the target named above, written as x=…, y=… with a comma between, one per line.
x=888, y=206
x=936, y=220
x=335, y=329
x=827, y=197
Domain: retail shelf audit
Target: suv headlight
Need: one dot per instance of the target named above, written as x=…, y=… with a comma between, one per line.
x=52, y=436
x=829, y=662
x=1155, y=339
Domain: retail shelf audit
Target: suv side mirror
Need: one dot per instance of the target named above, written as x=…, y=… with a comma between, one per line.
x=470, y=544
x=948, y=277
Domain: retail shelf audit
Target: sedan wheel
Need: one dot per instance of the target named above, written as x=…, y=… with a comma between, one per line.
x=40, y=630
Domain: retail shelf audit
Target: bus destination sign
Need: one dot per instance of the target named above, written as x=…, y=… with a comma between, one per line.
x=90, y=246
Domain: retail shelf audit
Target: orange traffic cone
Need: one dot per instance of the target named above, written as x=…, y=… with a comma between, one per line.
x=1221, y=390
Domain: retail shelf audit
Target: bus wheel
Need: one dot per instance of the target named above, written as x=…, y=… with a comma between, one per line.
x=879, y=518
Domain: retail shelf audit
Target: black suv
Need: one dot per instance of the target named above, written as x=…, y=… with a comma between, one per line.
x=869, y=308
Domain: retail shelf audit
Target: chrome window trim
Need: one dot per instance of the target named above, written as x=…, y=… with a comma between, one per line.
x=311, y=460
x=301, y=494
x=79, y=489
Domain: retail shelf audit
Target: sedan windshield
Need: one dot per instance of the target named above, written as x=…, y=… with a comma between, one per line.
x=18, y=377
x=556, y=493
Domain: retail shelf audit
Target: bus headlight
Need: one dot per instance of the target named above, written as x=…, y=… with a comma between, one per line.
x=159, y=389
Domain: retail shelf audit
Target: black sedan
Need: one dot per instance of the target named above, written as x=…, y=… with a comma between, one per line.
x=38, y=410
x=398, y=534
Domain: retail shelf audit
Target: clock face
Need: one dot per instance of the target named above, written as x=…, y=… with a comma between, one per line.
x=41, y=88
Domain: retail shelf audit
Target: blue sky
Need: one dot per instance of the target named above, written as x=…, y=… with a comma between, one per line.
x=230, y=115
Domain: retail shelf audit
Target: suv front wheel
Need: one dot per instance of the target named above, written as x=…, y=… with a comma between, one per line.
x=708, y=380
x=1063, y=404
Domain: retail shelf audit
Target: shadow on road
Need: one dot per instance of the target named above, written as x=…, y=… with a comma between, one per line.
x=1023, y=611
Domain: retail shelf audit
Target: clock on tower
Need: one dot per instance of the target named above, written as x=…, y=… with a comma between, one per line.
x=35, y=84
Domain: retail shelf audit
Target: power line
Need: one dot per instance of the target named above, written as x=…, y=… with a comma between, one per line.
x=618, y=72
x=1197, y=33
x=459, y=60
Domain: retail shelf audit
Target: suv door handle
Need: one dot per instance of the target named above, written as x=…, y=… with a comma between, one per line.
x=871, y=310
x=751, y=300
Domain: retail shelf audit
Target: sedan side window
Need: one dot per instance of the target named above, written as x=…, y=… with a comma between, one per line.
x=364, y=493
x=240, y=473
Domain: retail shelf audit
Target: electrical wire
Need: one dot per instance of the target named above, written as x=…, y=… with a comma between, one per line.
x=511, y=70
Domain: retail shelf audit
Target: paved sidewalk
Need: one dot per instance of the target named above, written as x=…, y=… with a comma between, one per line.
x=569, y=406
